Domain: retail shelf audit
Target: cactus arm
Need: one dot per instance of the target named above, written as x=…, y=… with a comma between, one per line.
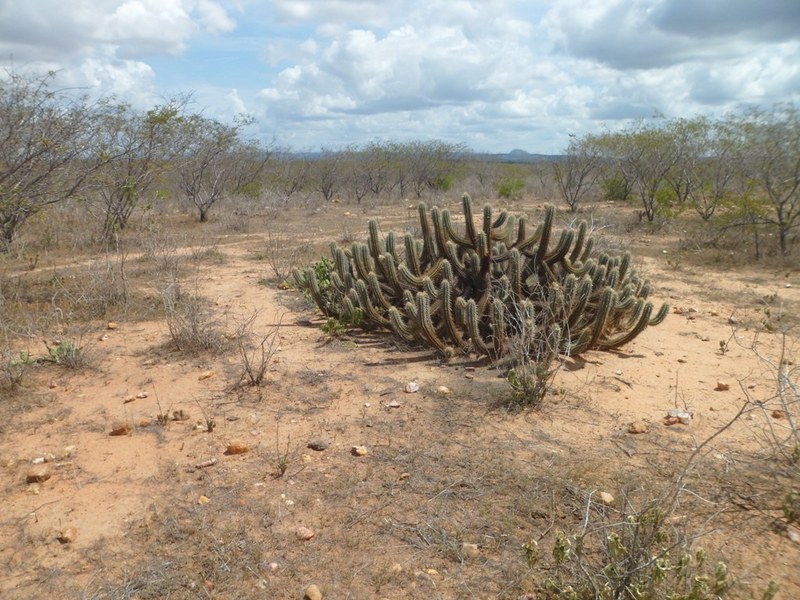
x=377, y=292
x=411, y=256
x=579, y=241
x=499, y=337
x=367, y=306
x=589, y=336
x=399, y=326
x=452, y=233
x=426, y=328
x=660, y=315
x=429, y=248
x=448, y=318
x=547, y=228
x=471, y=321
x=561, y=249
x=626, y=336
x=469, y=223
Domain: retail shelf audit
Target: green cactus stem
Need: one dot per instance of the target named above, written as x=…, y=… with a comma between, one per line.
x=461, y=289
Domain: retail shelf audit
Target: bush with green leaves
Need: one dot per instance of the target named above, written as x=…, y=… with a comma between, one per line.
x=632, y=555
x=511, y=188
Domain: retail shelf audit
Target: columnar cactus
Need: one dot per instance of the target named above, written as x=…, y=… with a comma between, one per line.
x=476, y=289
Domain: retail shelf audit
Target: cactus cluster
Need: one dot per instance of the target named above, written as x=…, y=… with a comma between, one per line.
x=477, y=289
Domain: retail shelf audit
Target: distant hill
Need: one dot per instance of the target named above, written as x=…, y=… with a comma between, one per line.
x=517, y=156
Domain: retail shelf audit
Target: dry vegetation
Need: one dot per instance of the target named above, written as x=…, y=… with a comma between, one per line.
x=182, y=335
x=177, y=422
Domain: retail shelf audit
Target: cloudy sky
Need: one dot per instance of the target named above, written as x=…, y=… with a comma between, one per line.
x=494, y=74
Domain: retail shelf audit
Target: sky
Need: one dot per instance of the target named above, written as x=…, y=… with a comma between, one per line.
x=495, y=75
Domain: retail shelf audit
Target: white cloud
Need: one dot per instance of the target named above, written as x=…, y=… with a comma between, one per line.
x=214, y=18
x=492, y=73
x=104, y=44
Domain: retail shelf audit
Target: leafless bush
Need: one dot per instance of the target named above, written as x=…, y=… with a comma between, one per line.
x=780, y=406
x=192, y=324
x=256, y=350
x=101, y=286
x=281, y=256
x=535, y=350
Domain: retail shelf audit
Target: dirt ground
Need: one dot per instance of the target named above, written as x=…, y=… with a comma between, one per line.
x=453, y=487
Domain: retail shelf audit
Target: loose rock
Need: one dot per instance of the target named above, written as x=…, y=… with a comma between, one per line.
x=605, y=498
x=793, y=534
x=305, y=534
x=778, y=414
x=393, y=404
x=38, y=474
x=120, y=428
x=470, y=550
x=443, y=390
x=359, y=451
x=319, y=445
x=682, y=416
x=237, y=447
x=637, y=427
x=722, y=386
x=411, y=387
x=312, y=593
x=205, y=375
x=68, y=535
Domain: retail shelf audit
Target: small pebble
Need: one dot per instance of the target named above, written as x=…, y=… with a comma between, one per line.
x=38, y=474
x=319, y=445
x=120, y=428
x=305, y=534
x=237, y=447
x=605, y=498
x=637, y=427
x=68, y=535
x=722, y=386
x=359, y=451
x=313, y=593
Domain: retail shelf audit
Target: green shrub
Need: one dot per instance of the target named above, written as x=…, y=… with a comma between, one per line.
x=616, y=188
x=511, y=188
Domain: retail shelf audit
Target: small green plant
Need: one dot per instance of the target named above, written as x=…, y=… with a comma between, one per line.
x=66, y=353
x=333, y=327
x=13, y=369
x=282, y=456
x=338, y=326
x=791, y=507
